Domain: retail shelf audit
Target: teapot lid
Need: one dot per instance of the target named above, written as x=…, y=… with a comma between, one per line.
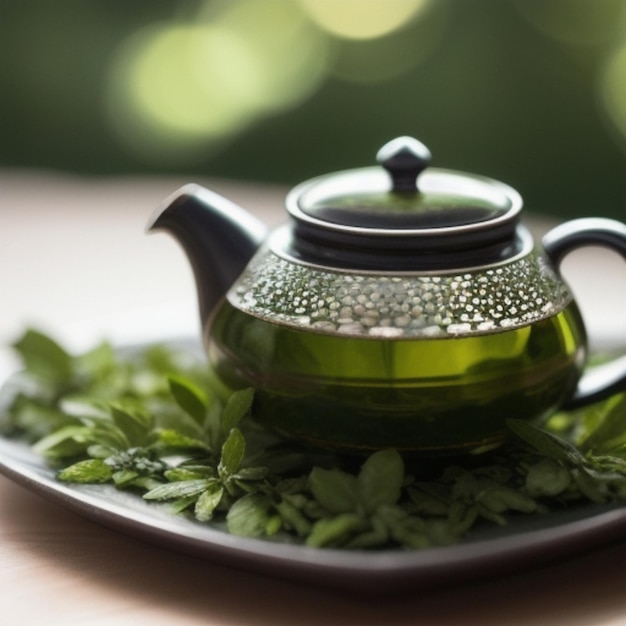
x=403, y=214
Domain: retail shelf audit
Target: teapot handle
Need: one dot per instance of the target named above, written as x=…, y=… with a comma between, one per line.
x=604, y=380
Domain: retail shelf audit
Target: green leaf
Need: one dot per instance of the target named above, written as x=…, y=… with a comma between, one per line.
x=249, y=516
x=143, y=483
x=501, y=498
x=44, y=357
x=291, y=517
x=68, y=441
x=273, y=525
x=610, y=433
x=189, y=397
x=380, y=479
x=34, y=420
x=233, y=452
x=182, y=504
x=335, y=530
x=78, y=406
x=208, y=502
x=429, y=499
x=404, y=528
x=237, y=407
x=335, y=490
x=548, y=478
x=181, y=489
x=98, y=361
x=461, y=517
x=594, y=490
x=106, y=433
x=174, y=439
x=88, y=471
x=124, y=477
x=546, y=443
x=136, y=426
x=371, y=538
x=99, y=451
x=177, y=420
x=252, y=473
x=181, y=473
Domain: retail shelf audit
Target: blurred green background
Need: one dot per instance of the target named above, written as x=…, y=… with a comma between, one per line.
x=532, y=92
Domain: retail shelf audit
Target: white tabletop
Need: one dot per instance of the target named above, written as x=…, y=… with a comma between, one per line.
x=74, y=261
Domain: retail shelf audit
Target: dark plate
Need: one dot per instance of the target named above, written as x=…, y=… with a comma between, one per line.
x=525, y=543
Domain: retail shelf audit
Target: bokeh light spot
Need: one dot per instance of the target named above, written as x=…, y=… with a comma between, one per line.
x=581, y=22
x=169, y=91
x=180, y=80
x=613, y=89
x=293, y=56
x=362, y=19
x=180, y=86
x=374, y=61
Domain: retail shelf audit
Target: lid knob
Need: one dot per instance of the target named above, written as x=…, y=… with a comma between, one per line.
x=404, y=158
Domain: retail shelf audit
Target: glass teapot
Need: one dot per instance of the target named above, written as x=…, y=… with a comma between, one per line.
x=400, y=306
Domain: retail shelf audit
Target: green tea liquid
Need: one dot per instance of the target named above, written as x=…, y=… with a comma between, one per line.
x=441, y=395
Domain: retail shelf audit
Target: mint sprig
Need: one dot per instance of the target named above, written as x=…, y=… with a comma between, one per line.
x=149, y=421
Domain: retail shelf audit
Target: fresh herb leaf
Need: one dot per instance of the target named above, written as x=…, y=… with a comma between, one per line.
x=332, y=531
x=547, y=478
x=136, y=426
x=87, y=471
x=546, y=443
x=250, y=516
x=610, y=431
x=237, y=407
x=172, y=439
x=233, y=452
x=67, y=442
x=179, y=489
x=380, y=480
x=208, y=501
x=189, y=397
x=44, y=357
x=293, y=518
x=335, y=490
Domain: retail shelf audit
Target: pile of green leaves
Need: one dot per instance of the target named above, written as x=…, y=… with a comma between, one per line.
x=148, y=421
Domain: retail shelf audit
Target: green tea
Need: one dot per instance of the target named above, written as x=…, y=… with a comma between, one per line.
x=433, y=396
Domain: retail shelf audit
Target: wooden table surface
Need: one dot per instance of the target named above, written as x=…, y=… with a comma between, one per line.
x=74, y=261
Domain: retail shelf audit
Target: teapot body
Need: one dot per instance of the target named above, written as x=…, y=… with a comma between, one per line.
x=432, y=362
x=402, y=306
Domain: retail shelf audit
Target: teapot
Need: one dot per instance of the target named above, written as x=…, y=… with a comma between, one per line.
x=400, y=306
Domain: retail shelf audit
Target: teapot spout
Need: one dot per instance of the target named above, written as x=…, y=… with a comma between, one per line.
x=218, y=237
